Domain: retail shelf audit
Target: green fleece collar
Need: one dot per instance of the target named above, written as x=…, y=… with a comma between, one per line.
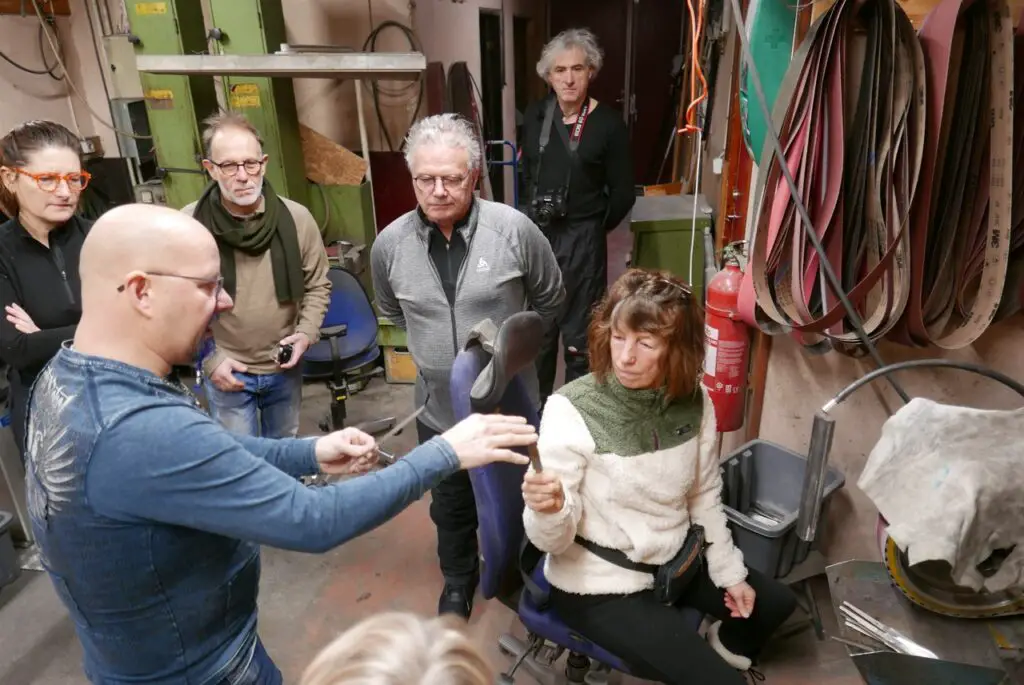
x=632, y=422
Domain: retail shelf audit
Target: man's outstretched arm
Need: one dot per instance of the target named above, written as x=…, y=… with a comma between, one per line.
x=176, y=466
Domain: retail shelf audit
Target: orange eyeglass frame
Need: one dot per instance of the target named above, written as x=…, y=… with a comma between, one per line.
x=38, y=178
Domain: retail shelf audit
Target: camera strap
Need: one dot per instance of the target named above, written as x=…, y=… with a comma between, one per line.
x=571, y=140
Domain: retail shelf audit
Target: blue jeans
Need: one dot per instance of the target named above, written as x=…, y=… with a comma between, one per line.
x=267, y=407
x=253, y=667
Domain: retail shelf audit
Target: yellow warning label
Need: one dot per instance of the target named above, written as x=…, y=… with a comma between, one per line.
x=161, y=98
x=245, y=95
x=151, y=8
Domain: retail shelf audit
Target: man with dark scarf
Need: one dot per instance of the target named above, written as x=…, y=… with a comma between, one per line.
x=274, y=266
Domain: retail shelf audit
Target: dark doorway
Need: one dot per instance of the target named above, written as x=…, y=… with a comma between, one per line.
x=524, y=75
x=491, y=87
x=657, y=29
x=656, y=26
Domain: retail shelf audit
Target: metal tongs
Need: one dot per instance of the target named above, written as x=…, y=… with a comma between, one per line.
x=890, y=637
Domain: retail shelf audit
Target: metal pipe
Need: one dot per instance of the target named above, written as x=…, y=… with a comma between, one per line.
x=364, y=142
x=814, y=477
x=104, y=67
x=922, y=363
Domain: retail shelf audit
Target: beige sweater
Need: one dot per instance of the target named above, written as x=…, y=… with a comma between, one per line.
x=251, y=330
x=620, y=495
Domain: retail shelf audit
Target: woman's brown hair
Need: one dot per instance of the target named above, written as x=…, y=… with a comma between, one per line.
x=27, y=139
x=658, y=303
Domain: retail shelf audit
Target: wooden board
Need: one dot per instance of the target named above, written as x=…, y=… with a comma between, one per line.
x=328, y=163
x=59, y=7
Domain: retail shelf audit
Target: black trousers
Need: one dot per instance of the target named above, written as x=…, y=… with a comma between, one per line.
x=581, y=248
x=658, y=643
x=453, y=511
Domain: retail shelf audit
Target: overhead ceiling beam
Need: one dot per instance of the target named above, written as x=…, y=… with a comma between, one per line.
x=392, y=66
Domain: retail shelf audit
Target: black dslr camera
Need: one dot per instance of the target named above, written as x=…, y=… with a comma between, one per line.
x=548, y=207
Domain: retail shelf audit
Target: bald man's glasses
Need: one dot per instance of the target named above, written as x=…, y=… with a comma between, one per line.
x=212, y=285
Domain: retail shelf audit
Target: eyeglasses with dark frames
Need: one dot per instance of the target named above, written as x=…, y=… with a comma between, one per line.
x=251, y=166
x=216, y=284
x=49, y=182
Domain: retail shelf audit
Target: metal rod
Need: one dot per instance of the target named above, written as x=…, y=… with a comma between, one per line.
x=814, y=477
x=856, y=645
x=364, y=142
x=921, y=363
x=395, y=66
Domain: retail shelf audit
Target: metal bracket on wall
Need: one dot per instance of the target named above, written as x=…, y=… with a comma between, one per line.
x=162, y=172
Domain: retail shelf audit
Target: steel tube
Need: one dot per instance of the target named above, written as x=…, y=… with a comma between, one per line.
x=814, y=477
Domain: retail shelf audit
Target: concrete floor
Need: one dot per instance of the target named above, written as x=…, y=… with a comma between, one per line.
x=306, y=600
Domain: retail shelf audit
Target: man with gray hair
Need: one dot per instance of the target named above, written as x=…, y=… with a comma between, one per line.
x=579, y=172
x=438, y=271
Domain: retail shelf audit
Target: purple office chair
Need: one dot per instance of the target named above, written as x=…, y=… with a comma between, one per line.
x=512, y=570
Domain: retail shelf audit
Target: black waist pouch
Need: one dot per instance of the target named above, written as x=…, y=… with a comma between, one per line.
x=671, y=578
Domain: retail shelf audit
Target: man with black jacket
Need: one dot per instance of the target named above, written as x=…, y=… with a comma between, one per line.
x=580, y=185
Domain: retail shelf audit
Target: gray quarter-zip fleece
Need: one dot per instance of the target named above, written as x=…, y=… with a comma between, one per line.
x=509, y=267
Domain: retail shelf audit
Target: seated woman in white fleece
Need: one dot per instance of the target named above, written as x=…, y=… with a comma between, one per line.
x=629, y=460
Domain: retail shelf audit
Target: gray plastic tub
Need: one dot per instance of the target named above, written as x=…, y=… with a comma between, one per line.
x=762, y=483
x=9, y=568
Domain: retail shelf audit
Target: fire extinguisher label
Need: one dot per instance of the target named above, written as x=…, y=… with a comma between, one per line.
x=710, y=350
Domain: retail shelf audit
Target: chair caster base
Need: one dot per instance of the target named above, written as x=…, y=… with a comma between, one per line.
x=540, y=660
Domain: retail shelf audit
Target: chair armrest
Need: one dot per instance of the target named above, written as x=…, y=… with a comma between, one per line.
x=334, y=331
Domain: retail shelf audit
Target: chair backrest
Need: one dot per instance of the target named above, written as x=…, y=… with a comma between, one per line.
x=349, y=304
x=499, y=498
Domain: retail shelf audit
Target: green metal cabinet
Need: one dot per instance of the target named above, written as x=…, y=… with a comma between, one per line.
x=174, y=104
x=662, y=227
x=345, y=213
x=256, y=27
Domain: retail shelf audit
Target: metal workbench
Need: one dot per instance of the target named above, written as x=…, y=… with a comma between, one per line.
x=970, y=651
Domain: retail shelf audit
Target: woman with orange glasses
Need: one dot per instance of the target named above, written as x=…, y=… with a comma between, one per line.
x=41, y=181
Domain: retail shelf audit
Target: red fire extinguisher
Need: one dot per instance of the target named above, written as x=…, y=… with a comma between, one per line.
x=726, y=346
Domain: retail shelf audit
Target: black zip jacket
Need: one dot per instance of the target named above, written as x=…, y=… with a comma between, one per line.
x=44, y=282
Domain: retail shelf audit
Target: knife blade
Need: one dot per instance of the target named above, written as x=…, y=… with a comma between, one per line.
x=400, y=426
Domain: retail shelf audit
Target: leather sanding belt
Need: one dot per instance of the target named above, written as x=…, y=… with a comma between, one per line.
x=1013, y=292
x=900, y=147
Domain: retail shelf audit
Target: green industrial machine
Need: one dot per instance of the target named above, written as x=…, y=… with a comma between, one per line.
x=662, y=228
x=256, y=27
x=174, y=104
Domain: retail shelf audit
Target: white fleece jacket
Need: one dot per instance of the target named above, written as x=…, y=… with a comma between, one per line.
x=641, y=504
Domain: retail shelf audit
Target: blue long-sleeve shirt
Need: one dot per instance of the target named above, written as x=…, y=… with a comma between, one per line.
x=149, y=516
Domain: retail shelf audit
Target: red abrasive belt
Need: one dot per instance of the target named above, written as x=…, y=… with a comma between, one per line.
x=960, y=240
x=909, y=197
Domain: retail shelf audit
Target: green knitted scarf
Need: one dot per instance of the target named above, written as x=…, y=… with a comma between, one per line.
x=274, y=229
